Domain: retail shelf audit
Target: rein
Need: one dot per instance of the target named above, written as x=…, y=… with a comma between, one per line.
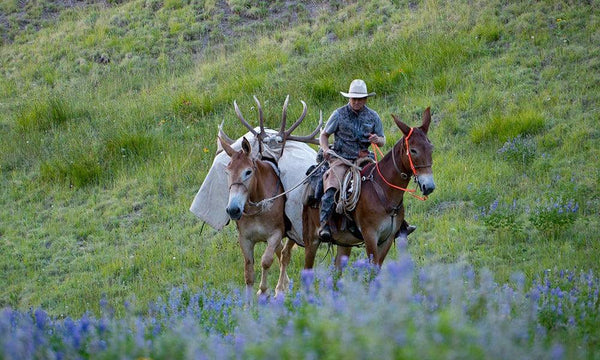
x=412, y=166
x=265, y=203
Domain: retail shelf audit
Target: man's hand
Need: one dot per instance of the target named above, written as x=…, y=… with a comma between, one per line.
x=327, y=154
x=374, y=139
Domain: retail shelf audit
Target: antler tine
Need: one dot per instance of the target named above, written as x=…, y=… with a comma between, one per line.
x=284, y=116
x=260, y=118
x=223, y=135
x=244, y=122
x=310, y=138
x=293, y=127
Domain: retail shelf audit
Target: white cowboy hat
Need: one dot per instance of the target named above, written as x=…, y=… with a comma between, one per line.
x=358, y=89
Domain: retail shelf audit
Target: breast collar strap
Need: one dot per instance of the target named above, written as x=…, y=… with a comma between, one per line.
x=389, y=209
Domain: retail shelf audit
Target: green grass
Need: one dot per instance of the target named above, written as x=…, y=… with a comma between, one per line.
x=109, y=116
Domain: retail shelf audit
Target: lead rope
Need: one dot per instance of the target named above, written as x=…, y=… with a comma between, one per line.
x=265, y=203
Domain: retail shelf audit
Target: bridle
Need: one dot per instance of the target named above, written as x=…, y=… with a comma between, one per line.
x=264, y=203
x=402, y=174
x=240, y=183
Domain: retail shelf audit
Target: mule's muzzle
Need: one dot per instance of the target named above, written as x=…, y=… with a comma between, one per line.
x=427, y=189
x=234, y=212
x=426, y=184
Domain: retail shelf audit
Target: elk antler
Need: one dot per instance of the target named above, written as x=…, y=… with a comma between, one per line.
x=260, y=136
x=283, y=134
x=287, y=134
x=242, y=120
x=224, y=137
x=261, y=120
x=308, y=138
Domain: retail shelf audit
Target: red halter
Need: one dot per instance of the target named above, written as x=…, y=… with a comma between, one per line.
x=412, y=167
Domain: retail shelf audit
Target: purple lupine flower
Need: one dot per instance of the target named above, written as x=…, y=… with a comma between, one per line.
x=263, y=299
x=401, y=269
x=344, y=261
x=519, y=279
x=308, y=277
x=329, y=283
x=494, y=206
x=557, y=352
x=534, y=294
x=139, y=333
x=84, y=324
x=41, y=319
x=559, y=309
x=297, y=302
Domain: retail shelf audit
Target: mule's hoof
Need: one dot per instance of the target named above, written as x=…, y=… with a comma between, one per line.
x=410, y=229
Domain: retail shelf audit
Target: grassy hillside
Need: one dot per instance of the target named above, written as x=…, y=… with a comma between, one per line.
x=109, y=112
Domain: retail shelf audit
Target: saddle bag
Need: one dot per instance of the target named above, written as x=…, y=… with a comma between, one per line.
x=314, y=189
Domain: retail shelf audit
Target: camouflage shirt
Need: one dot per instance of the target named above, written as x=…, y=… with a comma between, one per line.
x=351, y=130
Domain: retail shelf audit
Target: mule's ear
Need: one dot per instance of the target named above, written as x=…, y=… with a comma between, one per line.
x=228, y=149
x=426, y=120
x=405, y=128
x=246, y=146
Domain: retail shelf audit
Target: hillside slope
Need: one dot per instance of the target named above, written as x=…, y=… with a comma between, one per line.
x=109, y=113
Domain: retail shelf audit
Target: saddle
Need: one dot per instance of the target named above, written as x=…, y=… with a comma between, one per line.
x=315, y=188
x=345, y=199
x=343, y=219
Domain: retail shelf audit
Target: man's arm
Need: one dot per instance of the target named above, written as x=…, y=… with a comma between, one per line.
x=377, y=137
x=324, y=143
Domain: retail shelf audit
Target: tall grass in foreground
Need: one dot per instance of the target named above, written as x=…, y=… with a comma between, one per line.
x=401, y=311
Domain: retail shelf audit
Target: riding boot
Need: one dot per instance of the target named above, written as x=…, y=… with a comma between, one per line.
x=409, y=228
x=405, y=229
x=327, y=204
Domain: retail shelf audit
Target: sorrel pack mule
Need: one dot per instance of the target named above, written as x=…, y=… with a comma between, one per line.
x=255, y=201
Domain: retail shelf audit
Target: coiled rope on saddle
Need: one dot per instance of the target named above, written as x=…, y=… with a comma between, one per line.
x=349, y=191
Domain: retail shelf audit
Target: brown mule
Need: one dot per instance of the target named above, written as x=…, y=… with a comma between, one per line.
x=250, y=181
x=379, y=212
x=255, y=201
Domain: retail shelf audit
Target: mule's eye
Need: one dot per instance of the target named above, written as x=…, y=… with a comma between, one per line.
x=413, y=152
x=247, y=173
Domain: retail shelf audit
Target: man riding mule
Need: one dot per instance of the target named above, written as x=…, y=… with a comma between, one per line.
x=376, y=217
x=354, y=126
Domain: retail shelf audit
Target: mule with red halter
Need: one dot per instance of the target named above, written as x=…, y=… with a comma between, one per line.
x=379, y=211
x=256, y=202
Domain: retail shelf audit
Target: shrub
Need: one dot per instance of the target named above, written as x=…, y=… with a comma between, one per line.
x=501, y=217
x=191, y=107
x=487, y=31
x=78, y=169
x=44, y=114
x=518, y=149
x=554, y=216
x=502, y=128
x=129, y=146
